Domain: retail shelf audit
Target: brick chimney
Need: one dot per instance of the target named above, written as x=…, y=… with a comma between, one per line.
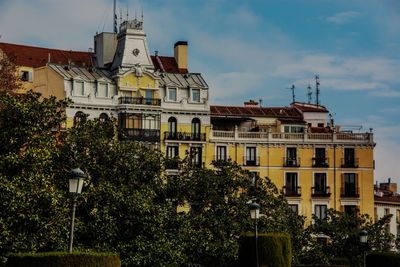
x=181, y=54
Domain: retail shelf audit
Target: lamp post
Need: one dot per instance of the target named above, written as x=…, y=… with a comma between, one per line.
x=254, y=215
x=363, y=240
x=76, y=178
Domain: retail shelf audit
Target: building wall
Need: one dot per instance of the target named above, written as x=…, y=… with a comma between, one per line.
x=381, y=208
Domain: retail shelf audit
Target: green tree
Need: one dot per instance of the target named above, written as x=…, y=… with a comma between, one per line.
x=343, y=231
x=32, y=208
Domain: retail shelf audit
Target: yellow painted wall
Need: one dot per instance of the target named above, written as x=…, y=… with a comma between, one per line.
x=49, y=83
x=146, y=82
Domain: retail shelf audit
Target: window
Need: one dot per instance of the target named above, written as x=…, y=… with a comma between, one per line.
x=350, y=185
x=172, y=127
x=254, y=177
x=196, y=95
x=196, y=129
x=291, y=157
x=172, y=94
x=320, y=211
x=349, y=157
x=294, y=208
x=102, y=90
x=196, y=153
x=387, y=212
x=251, y=156
x=291, y=184
x=26, y=76
x=79, y=117
x=103, y=117
x=320, y=157
x=79, y=88
x=320, y=183
x=172, y=155
x=148, y=97
x=172, y=152
x=221, y=153
x=293, y=129
x=350, y=210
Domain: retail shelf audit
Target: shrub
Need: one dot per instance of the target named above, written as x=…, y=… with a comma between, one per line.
x=274, y=249
x=390, y=259
x=63, y=259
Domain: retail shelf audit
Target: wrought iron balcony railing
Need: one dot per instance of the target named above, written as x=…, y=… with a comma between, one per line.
x=320, y=192
x=292, y=191
x=291, y=162
x=141, y=135
x=351, y=191
x=320, y=162
x=251, y=161
x=350, y=163
x=182, y=136
x=139, y=101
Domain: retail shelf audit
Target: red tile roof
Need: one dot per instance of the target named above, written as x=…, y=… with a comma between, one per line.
x=34, y=57
x=277, y=112
x=167, y=64
x=387, y=199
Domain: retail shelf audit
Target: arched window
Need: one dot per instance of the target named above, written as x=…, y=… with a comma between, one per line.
x=196, y=129
x=79, y=117
x=172, y=127
x=103, y=117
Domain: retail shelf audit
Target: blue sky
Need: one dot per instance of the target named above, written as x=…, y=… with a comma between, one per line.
x=255, y=50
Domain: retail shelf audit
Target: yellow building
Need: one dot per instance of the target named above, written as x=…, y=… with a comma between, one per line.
x=156, y=99
x=315, y=164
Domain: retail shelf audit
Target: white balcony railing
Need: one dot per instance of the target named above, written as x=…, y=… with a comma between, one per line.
x=364, y=138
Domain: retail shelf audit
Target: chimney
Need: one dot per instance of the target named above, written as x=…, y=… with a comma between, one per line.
x=181, y=54
x=251, y=104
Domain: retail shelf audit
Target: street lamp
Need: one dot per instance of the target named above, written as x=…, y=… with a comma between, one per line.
x=254, y=215
x=76, y=178
x=363, y=240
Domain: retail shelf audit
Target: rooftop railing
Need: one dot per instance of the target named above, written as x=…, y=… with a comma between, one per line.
x=364, y=138
x=139, y=101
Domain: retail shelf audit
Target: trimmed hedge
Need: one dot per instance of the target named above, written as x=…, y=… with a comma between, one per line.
x=274, y=249
x=379, y=259
x=63, y=259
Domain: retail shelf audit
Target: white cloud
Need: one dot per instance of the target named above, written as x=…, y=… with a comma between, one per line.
x=343, y=17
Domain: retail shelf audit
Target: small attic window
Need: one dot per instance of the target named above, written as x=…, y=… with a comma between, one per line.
x=26, y=76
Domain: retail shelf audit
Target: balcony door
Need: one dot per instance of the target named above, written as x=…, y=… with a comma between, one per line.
x=350, y=184
x=172, y=125
x=320, y=183
x=320, y=155
x=251, y=157
x=349, y=157
x=291, y=156
x=196, y=128
x=291, y=183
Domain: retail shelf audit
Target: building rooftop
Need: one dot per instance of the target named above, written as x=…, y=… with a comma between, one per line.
x=167, y=64
x=275, y=112
x=34, y=57
x=305, y=107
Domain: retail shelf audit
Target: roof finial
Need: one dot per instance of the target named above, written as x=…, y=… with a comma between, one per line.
x=142, y=15
x=127, y=12
x=115, y=17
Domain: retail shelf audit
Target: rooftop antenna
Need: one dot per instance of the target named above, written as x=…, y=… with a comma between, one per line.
x=309, y=93
x=142, y=14
x=127, y=13
x=317, y=89
x=293, y=96
x=260, y=100
x=115, y=19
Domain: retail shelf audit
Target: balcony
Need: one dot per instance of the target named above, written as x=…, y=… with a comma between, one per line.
x=181, y=136
x=320, y=192
x=350, y=191
x=251, y=161
x=139, y=101
x=141, y=135
x=350, y=163
x=323, y=138
x=291, y=162
x=219, y=161
x=292, y=191
x=171, y=164
x=320, y=162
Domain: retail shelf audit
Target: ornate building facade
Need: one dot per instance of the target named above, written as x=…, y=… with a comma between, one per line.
x=156, y=99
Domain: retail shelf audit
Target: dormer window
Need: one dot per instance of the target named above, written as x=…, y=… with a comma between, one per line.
x=102, y=90
x=196, y=95
x=79, y=89
x=172, y=94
